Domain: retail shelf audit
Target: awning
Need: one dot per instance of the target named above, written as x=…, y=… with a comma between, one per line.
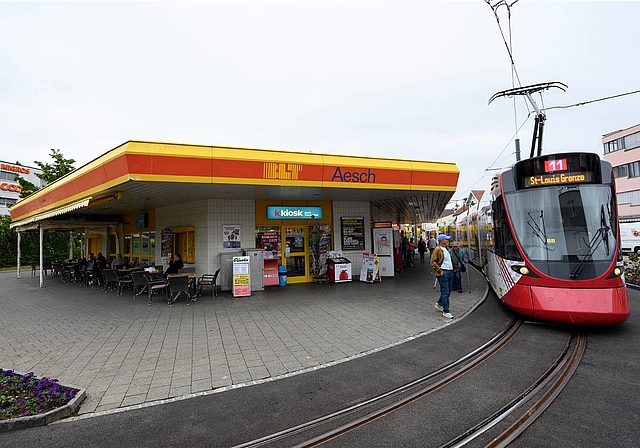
x=50, y=214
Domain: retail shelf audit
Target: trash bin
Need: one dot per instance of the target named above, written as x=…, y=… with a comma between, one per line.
x=282, y=273
x=339, y=270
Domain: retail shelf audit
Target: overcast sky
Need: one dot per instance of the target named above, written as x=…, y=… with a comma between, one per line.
x=407, y=80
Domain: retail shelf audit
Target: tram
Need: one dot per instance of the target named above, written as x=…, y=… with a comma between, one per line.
x=546, y=235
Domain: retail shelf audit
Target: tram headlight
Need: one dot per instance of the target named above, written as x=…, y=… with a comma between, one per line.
x=617, y=271
x=522, y=270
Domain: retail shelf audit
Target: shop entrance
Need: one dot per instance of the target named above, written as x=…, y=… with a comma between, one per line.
x=301, y=248
x=295, y=254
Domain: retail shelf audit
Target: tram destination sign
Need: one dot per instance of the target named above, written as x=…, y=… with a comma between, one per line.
x=558, y=169
x=547, y=180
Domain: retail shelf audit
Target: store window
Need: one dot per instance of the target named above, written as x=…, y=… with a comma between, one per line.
x=139, y=247
x=268, y=238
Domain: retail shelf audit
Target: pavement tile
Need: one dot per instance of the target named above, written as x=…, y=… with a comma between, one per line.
x=130, y=400
x=121, y=349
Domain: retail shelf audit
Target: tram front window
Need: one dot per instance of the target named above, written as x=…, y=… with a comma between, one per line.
x=574, y=224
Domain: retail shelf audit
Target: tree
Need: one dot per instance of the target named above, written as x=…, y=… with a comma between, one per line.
x=56, y=244
x=60, y=167
x=50, y=172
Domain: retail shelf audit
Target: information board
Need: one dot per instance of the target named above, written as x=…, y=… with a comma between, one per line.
x=352, y=232
x=241, y=277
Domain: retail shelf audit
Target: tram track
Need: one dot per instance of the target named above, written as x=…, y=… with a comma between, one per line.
x=333, y=426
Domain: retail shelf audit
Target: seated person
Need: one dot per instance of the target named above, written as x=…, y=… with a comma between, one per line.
x=174, y=265
x=118, y=262
x=101, y=261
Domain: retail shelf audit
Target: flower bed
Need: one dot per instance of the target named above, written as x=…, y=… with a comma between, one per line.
x=29, y=401
x=632, y=270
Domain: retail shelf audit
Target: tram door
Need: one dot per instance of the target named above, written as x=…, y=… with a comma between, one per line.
x=295, y=254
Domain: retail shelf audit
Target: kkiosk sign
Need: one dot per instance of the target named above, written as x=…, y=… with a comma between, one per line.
x=282, y=212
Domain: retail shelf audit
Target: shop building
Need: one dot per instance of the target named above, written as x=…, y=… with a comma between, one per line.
x=9, y=188
x=149, y=200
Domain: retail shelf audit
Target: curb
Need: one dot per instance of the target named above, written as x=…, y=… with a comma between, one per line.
x=48, y=417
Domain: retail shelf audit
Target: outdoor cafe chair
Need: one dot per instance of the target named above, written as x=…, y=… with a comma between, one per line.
x=46, y=267
x=57, y=269
x=179, y=284
x=141, y=283
x=209, y=280
x=111, y=279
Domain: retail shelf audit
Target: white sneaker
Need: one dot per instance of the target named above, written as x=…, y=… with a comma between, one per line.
x=448, y=315
x=438, y=307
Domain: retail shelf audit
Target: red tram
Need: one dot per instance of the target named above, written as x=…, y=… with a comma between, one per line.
x=547, y=237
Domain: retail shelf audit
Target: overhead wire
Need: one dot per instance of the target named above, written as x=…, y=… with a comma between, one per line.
x=593, y=101
x=500, y=154
x=514, y=75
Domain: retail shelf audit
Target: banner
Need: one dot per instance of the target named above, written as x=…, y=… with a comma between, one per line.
x=370, y=271
x=241, y=280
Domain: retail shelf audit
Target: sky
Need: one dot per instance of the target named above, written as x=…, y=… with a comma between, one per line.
x=407, y=80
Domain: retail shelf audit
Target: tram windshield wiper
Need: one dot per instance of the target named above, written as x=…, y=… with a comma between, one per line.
x=601, y=235
x=603, y=225
x=535, y=228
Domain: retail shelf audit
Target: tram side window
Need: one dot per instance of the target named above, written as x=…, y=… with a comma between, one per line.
x=504, y=243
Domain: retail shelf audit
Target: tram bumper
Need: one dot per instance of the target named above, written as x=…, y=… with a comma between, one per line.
x=580, y=306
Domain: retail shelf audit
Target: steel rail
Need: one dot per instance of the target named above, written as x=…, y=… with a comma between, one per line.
x=526, y=420
x=464, y=363
x=555, y=377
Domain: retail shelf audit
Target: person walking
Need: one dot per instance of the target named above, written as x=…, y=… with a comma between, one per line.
x=458, y=258
x=422, y=248
x=431, y=244
x=411, y=250
x=443, y=269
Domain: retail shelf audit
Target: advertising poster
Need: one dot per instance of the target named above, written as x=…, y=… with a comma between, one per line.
x=231, y=237
x=165, y=245
x=269, y=242
x=241, y=278
x=352, y=231
x=370, y=271
x=383, y=240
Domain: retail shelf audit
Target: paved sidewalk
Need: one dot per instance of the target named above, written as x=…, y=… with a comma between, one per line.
x=125, y=353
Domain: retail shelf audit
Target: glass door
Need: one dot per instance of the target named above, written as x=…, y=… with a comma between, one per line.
x=295, y=254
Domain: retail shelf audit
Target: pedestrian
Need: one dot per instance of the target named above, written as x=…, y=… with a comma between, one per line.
x=422, y=248
x=458, y=258
x=443, y=269
x=411, y=250
x=431, y=244
x=405, y=244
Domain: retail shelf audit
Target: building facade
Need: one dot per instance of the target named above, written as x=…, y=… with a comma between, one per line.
x=151, y=200
x=622, y=150
x=9, y=188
